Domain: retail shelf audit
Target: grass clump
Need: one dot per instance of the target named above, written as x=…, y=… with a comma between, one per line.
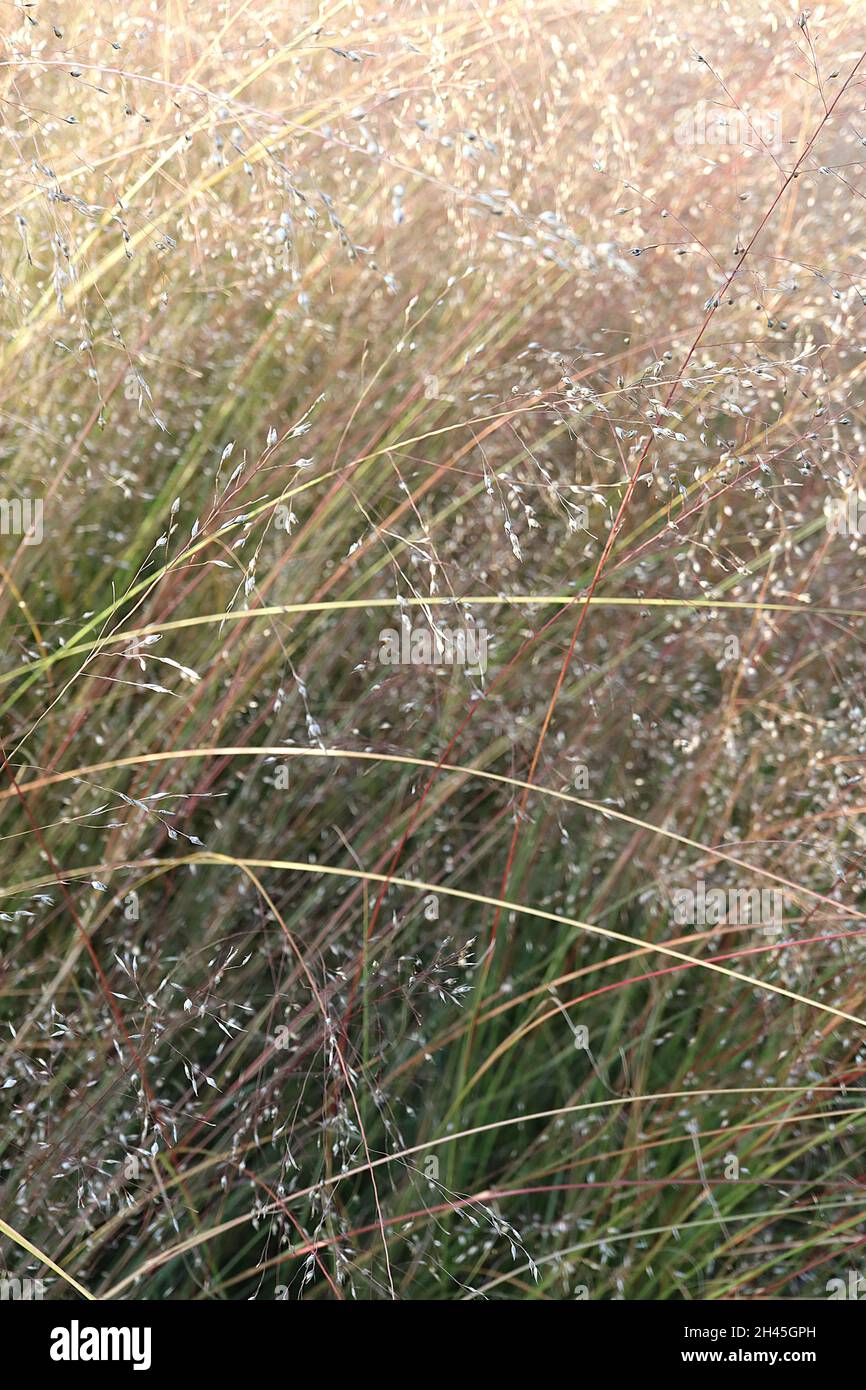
x=538, y=336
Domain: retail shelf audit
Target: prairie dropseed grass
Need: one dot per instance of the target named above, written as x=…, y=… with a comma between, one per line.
x=432, y=441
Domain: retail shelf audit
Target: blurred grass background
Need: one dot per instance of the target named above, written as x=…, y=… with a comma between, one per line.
x=316, y=320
